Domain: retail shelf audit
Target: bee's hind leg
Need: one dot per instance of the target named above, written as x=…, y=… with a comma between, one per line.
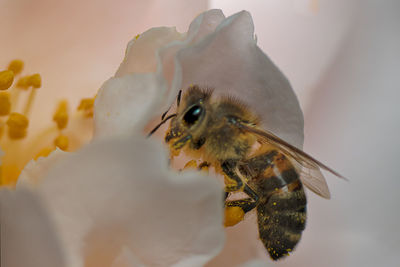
x=236, y=209
x=247, y=204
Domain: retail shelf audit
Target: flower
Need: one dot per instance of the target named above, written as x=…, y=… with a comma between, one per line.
x=115, y=202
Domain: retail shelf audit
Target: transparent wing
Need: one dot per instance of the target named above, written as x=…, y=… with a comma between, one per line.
x=307, y=166
x=313, y=179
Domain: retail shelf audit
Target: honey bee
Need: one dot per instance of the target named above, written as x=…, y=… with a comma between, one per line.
x=226, y=135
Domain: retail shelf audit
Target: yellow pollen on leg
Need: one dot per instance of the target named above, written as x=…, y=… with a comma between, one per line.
x=204, y=169
x=5, y=103
x=192, y=164
x=62, y=142
x=61, y=115
x=16, y=66
x=6, y=79
x=17, y=125
x=233, y=215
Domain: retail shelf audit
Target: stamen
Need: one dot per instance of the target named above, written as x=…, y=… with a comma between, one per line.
x=16, y=66
x=6, y=79
x=29, y=104
x=2, y=126
x=35, y=80
x=23, y=82
x=44, y=152
x=86, y=105
x=61, y=115
x=62, y=142
x=5, y=103
x=9, y=174
x=17, y=125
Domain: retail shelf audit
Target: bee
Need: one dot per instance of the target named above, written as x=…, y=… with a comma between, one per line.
x=271, y=172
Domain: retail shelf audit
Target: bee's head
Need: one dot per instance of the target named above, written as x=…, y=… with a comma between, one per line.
x=190, y=120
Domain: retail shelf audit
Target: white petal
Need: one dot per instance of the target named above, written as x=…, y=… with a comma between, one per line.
x=242, y=244
x=257, y=263
x=140, y=55
x=230, y=61
x=126, y=103
x=34, y=172
x=119, y=194
x=27, y=236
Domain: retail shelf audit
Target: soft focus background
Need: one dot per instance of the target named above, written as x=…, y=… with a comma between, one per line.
x=342, y=58
x=77, y=45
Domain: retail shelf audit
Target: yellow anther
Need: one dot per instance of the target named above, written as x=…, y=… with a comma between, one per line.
x=9, y=174
x=23, y=82
x=190, y=165
x=16, y=66
x=233, y=215
x=2, y=126
x=137, y=36
x=61, y=115
x=62, y=142
x=274, y=203
x=6, y=79
x=17, y=125
x=5, y=103
x=86, y=105
x=43, y=153
x=35, y=80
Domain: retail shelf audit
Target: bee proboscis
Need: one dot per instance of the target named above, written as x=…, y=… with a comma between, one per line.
x=223, y=133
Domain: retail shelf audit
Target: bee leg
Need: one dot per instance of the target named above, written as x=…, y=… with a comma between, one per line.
x=228, y=167
x=204, y=167
x=236, y=209
x=247, y=204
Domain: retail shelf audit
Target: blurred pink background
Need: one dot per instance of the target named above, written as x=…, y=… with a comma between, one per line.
x=342, y=58
x=77, y=45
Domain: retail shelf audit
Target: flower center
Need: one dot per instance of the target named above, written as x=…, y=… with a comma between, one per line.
x=16, y=102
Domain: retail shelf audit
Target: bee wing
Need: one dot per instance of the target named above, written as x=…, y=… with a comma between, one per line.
x=307, y=166
x=313, y=179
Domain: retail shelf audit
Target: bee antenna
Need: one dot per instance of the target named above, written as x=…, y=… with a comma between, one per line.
x=178, y=99
x=161, y=123
x=178, y=102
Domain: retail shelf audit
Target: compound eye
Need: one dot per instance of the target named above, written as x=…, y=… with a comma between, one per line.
x=192, y=115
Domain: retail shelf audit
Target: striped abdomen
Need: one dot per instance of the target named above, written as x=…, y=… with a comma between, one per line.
x=281, y=209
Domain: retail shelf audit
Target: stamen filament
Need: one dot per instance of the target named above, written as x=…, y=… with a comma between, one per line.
x=29, y=104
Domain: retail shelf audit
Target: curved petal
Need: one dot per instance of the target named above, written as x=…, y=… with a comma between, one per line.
x=126, y=103
x=33, y=173
x=230, y=61
x=221, y=53
x=119, y=195
x=141, y=52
